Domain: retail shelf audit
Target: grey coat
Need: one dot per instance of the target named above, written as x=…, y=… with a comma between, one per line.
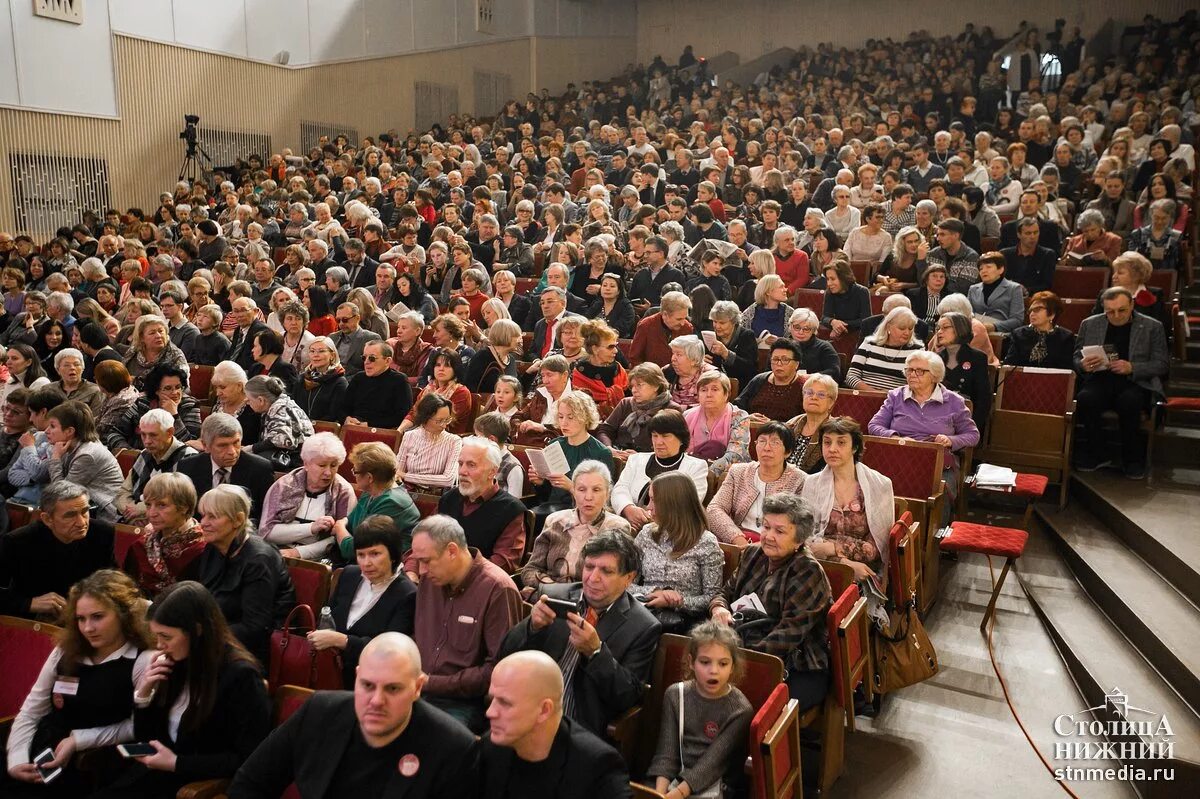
x=1006, y=305
x=1147, y=348
x=350, y=348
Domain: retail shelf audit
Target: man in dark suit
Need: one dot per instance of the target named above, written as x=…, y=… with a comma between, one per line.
x=241, y=350
x=359, y=266
x=96, y=346
x=604, y=650
x=1049, y=234
x=223, y=461
x=382, y=740
x=1029, y=263
x=42, y=560
x=532, y=750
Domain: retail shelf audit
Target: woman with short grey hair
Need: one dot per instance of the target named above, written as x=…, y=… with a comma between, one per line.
x=284, y=425
x=732, y=348
x=302, y=508
x=687, y=366
x=69, y=364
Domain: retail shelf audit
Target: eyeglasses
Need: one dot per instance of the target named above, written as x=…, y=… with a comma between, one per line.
x=808, y=392
x=914, y=372
x=373, y=358
x=803, y=328
x=782, y=361
x=343, y=318
x=442, y=422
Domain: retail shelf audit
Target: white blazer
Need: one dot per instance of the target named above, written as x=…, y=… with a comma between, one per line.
x=633, y=478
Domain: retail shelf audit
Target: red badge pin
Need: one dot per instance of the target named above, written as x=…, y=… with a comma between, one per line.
x=57, y=700
x=711, y=729
x=966, y=365
x=409, y=765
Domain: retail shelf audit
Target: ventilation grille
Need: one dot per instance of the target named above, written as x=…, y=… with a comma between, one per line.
x=311, y=133
x=226, y=147
x=50, y=191
x=492, y=91
x=435, y=102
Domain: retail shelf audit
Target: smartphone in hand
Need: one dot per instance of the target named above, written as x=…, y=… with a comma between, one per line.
x=562, y=607
x=135, y=750
x=44, y=757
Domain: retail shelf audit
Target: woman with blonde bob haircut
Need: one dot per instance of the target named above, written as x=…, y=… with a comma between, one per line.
x=103, y=649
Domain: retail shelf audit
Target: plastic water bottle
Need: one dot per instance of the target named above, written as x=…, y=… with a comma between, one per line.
x=326, y=620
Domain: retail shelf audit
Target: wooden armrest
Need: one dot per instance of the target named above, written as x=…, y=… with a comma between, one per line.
x=622, y=731
x=204, y=789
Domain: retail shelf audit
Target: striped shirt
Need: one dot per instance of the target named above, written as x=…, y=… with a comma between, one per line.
x=879, y=366
x=428, y=461
x=893, y=221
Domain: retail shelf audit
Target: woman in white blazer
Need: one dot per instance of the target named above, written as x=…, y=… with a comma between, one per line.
x=669, y=438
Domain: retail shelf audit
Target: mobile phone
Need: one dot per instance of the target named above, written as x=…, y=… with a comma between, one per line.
x=48, y=775
x=562, y=607
x=135, y=750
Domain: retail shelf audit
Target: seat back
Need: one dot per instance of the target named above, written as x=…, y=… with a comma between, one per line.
x=354, y=434
x=849, y=647
x=124, y=537
x=840, y=576
x=914, y=467
x=733, y=556
x=860, y=404
x=1037, y=391
x=1164, y=279
x=286, y=701
x=321, y=426
x=902, y=560
x=312, y=581
x=813, y=299
x=18, y=515
x=427, y=504
x=864, y=272
x=24, y=647
x=1074, y=312
x=1080, y=282
x=200, y=381
x=125, y=458
x=775, y=760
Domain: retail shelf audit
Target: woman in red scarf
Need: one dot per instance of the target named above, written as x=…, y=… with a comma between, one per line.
x=170, y=540
x=600, y=374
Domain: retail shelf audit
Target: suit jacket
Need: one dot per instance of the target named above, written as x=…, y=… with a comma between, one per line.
x=582, y=766
x=366, y=275
x=1006, y=304
x=241, y=349
x=610, y=683
x=539, y=337
x=1049, y=235
x=518, y=308
x=1147, y=349
x=350, y=348
x=307, y=749
x=393, y=612
x=252, y=472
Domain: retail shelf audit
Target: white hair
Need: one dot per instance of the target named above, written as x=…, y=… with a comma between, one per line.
x=490, y=450
x=691, y=346
x=933, y=362
x=323, y=445
x=159, y=418
x=69, y=352
x=956, y=303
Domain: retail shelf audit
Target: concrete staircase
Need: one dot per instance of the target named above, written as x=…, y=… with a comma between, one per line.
x=1177, y=441
x=1129, y=618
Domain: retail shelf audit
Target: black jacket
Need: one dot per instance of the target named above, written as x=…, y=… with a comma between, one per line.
x=580, y=766
x=742, y=363
x=1060, y=348
x=394, y=611
x=308, y=748
x=252, y=472
x=366, y=275
x=970, y=379
x=381, y=401
x=252, y=585
x=281, y=369
x=210, y=350
x=241, y=349
x=610, y=683
x=33, y=562
x=239, y=721
x=1049, y=235
x=649, y=288
x=820, y=358
x=324, y=402
x=1034, y=272
x=623, y=318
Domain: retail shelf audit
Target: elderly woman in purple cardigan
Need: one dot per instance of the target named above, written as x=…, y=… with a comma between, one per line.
x=301, y=508
x=924, y=410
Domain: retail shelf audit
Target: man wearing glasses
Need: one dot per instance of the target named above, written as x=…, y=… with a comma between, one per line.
x=648, y=282
x=350, y=338
x=378, y=396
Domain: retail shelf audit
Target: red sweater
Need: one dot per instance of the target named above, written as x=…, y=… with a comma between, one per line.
x=652, y=341
x=794, y=270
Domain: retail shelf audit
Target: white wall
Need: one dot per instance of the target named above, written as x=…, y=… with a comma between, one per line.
x=56, y=66
x=53, y=65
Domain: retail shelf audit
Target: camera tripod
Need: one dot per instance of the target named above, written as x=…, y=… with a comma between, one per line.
x=192, y=169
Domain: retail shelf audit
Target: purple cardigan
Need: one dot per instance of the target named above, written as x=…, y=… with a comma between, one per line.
x=944, y=413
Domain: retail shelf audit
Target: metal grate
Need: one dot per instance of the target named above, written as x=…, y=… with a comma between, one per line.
x=225, y=147
x=50, y=191
x=311, y=133
x=434, y=103
x=492, y=91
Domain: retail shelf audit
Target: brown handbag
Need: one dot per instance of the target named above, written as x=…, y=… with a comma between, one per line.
x=904, y=655
x=295, y=661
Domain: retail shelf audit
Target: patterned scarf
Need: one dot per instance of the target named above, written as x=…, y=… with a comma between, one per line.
x=313, y=377
x=997, y=186
x=1039, y=352
x=640, y=416
x=161, y=547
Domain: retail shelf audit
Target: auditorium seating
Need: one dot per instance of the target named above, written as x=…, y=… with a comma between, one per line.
x=124, y=537
x=1032, y=423
x=850, y=649
x=24, y=647
x=312, y=581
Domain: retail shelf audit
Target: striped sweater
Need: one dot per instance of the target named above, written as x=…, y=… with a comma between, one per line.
x=879, y=366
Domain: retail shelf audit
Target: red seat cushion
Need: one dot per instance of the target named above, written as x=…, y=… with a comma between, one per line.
x=1031, y=485
x=1184, y=403
x=1005, y=542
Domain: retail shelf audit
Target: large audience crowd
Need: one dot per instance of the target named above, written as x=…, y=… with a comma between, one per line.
x=606, y=333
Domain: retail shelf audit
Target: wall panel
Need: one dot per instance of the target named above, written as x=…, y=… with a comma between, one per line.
x=562, y=60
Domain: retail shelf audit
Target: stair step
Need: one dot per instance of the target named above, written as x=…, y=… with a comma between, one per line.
x=1159, y=525
x=1100, y=660
x=1183, y=417
x=1160, y=621
x=1177, y=446
x=1185, y=372
x=1176, y=477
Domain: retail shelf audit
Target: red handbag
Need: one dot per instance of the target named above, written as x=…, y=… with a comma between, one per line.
x=295, y=661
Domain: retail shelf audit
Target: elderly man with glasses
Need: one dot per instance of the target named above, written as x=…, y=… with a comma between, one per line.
x=350, y=338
